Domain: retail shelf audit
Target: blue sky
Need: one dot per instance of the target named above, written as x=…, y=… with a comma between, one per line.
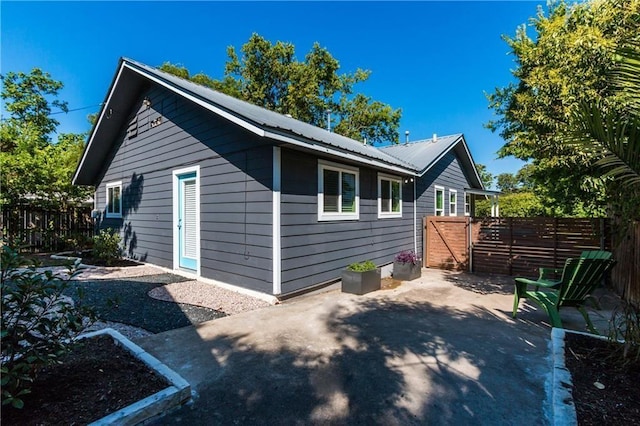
x=434, y=60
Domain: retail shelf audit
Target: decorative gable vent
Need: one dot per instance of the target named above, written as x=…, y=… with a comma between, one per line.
x=132, y=130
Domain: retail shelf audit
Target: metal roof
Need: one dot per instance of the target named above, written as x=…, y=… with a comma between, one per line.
x=263, y=117
x=413, y=159
x=423, y=154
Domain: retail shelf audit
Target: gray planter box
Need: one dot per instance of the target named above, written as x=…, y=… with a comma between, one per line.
x=360, y=282
x=406, y=271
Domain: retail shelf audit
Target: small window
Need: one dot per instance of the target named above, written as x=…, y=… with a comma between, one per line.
x=389, y=196
x=439, y=204
x=114, y=200
x=453, y=200
x=467, y=204
x=338, y=192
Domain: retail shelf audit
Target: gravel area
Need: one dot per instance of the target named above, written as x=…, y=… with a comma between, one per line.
x=142, y=300
x=208, y=296
x=126, y=300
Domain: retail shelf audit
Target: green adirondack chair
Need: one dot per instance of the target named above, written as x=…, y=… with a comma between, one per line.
x=580, y=277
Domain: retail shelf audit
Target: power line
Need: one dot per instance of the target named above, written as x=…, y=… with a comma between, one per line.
x=75, y=109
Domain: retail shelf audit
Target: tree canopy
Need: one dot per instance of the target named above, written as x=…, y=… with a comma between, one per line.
x=565, y=64
x=33, y=168
x=269, y=75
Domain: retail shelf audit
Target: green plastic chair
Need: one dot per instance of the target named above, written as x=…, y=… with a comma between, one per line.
x=580, y=277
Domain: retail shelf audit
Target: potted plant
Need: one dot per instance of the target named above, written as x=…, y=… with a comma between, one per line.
x=361, y=278
x=407, y=266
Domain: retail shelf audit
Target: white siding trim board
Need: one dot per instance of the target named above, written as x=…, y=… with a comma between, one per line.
x=276, y=234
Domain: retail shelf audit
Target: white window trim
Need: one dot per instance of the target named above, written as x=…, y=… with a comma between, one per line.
x=435, y=200
x=381, y=214
x=106, y=203
x=322, y=215
x=455, y=205
x=467, y=204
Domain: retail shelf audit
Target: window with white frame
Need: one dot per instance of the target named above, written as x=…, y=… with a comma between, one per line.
x=338, y=192
x=114, y=200
x=389, y=196
x=453, y=200
x=467, y=204
x=439, y=201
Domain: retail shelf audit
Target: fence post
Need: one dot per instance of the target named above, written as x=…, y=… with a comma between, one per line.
x=602, y=238
x=470, y=244
x=510, y=222
x=424, y=242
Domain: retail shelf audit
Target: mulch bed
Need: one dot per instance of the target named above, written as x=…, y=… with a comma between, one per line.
x=589, y=360
x=96, y=379
x=126, y=300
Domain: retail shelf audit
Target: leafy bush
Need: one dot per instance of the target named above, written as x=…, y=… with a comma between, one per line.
x=38, y=323
x=365, y=266
x=407, y=256
x=625, y=325
x=106, y=246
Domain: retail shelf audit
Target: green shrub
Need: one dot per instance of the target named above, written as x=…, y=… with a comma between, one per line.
x=365, y=266
x=38, y=323
x=625, y=325
x=106, y=246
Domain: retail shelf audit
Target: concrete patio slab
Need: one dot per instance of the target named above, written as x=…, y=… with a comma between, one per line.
x=439, y=350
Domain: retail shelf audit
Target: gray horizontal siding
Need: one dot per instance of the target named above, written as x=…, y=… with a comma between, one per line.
x=235, y=180
x=447, y=173
x=316, y=251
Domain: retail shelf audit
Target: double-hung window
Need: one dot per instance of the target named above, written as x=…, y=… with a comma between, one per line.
x=439, y=201
x=114, y=200
x=467, y=204
x=389, y=196
x=453, y=200
x=338, y=192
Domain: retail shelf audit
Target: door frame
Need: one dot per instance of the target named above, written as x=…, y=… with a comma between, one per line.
x=174, y=221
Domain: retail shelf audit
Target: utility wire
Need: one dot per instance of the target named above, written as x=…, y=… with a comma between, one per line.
x=75, y=109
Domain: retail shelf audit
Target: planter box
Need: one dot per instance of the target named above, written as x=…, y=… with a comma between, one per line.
x=406, y=271
x=360, y=282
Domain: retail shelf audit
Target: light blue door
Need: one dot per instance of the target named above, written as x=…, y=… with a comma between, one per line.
x=187, y=221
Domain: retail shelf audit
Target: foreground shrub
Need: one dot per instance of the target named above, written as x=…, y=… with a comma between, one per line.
x=365, y=266
x=106, y=246
x=625, y=325
x=38, y=323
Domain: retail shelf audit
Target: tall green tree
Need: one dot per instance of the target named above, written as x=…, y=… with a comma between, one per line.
x=611, y=138
x=566, y=63
x=485, y=176
x=33, y=167
x=270, y=75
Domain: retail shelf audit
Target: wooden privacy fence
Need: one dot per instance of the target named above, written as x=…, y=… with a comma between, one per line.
x=510, y=246
x=626, y=274
x=37, y=229
x=519, y=246
x=446, y=242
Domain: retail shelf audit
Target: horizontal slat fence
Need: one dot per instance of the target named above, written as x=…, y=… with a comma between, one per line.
x=519, y=246
x=35, y=229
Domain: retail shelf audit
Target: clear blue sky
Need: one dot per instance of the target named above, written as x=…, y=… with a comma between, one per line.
x=434, y=60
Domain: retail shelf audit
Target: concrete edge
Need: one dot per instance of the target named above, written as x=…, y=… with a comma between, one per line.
x=563, y=410
x=176, y=394
x=74, y=259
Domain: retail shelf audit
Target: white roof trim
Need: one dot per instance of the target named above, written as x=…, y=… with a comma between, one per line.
x=105, y=108
x=341, y=154
x=219, y=111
